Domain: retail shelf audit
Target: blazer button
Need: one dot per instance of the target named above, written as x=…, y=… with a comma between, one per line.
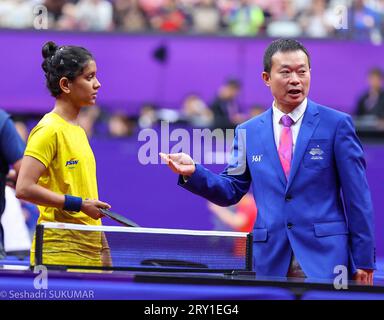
x=288, y=197
x=289, y=225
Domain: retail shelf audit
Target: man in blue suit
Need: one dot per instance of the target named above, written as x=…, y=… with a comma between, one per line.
x=307, y=171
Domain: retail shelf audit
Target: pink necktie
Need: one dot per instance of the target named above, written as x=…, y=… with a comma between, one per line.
x=285, y=145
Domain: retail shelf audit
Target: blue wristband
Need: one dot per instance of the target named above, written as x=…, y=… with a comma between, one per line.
x=72, y=203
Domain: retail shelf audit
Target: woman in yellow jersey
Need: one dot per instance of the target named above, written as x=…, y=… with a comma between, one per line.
x=58, y=171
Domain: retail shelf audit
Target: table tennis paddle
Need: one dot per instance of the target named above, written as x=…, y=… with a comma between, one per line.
x=119, y=218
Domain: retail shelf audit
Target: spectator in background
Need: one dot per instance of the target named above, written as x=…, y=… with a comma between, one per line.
x=94, y=15
x=240, y=217
x=256, y=110
x=372, y=101
x=246, y=19
x=11, y=152
x=170, y=17
x=365, y=22
x=276, y=9
x=129, y=16
x=377, y=5
x=225, y=7
x=317, y=21
x=22, y=130
x=87, y=119
x=272, y=9
x=20, y=217
x=68, y=19
x=120, y=125
x=55, y=10
x=16, y=14
x=225, y=107
x=285, y=25
x=196, y=111
x=30, y=210
x=148, y=116
x=206, y=17
x=151, y=6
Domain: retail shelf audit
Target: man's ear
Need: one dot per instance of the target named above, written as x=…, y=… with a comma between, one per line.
x=64, y=85
x=266, y=78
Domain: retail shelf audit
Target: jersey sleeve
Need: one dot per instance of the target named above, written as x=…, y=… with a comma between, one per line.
x=42, y=144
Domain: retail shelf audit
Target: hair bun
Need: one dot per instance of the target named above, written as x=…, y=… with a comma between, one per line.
x=49, y=49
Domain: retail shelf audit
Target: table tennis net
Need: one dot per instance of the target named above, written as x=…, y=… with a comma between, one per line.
x=110, y=247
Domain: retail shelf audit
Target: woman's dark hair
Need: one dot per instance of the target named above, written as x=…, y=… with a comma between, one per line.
x=64, y=61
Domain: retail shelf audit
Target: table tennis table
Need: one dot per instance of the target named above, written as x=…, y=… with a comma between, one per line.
x=17, y=282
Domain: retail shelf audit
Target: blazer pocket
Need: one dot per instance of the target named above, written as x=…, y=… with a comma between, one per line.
x=260, y=235
x=318, y=154
x=330, y=228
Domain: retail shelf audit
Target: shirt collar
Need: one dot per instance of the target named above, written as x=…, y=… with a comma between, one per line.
x=296, y=113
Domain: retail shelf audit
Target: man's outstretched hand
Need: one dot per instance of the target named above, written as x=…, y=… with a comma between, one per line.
x=180, y=163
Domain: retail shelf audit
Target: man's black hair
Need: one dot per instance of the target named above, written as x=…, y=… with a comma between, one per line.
x=376, y=71
x=233, y=83
x=282, y=45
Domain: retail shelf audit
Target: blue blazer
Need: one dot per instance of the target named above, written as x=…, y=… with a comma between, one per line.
x=322, y=212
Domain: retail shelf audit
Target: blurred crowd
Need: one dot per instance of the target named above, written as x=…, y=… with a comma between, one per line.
x=357, y=19
x=224, y=110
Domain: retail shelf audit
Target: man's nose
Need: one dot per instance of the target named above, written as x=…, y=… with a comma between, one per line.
x=294, y=79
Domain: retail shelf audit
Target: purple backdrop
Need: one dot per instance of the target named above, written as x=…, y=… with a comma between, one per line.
x=130, y=75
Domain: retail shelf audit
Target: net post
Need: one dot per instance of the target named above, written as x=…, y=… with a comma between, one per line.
x=249, y=252
x=39, y=244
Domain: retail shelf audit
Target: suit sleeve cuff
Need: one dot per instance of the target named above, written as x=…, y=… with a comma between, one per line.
x=188, y=180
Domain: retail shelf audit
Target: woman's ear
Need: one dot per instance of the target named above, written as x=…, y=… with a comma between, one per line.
x=64, y=85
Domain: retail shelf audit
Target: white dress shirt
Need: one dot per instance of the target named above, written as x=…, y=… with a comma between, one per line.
x=296, y=115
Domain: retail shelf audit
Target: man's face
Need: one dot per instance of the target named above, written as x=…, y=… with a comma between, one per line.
x=289, y=79
x=233, y=92
x=375, y=81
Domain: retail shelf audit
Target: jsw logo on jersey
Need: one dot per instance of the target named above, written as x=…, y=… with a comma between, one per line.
x=72, y=162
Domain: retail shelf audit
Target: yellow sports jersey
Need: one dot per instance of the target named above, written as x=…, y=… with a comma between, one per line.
x=64, y=150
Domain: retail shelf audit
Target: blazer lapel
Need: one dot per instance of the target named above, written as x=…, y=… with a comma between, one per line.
x=268, y=140
x=310, y=121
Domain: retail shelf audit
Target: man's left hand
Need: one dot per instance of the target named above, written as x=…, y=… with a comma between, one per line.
x=364, y=276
